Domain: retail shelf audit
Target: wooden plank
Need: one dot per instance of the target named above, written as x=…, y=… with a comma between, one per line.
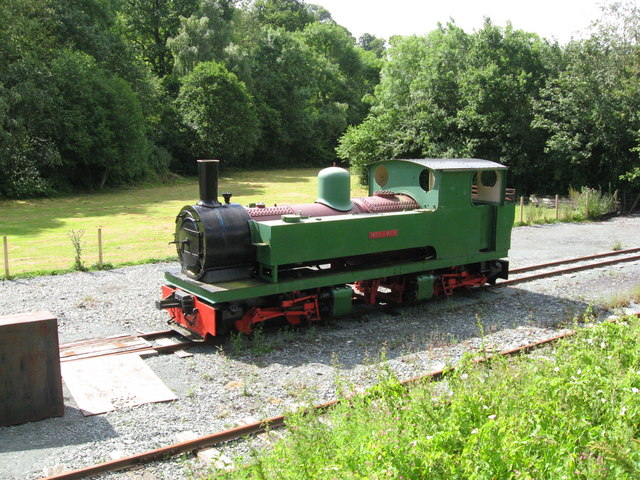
x=182, y=354
x=104, y=346
x=94, y=340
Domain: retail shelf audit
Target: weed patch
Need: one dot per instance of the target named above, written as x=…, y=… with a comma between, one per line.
x=256, y=343
x=622, y=299
x=78, y=244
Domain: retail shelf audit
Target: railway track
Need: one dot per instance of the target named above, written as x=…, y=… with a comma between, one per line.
x=585, y=263
x=152, y=342
x=256, y=428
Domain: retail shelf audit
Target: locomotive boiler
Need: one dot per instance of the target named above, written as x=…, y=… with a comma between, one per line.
x=427, y=227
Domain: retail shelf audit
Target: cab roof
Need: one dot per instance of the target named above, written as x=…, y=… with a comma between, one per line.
x=453, y=164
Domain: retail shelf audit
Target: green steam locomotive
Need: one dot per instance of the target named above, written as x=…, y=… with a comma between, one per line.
x=427, y=228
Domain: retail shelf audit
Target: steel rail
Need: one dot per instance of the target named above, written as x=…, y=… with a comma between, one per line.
x=261, y=426
x=172, y=450
x=573, y=260
x=563, y=271
x=157, y=349
x=159, y=333
x=146, y=336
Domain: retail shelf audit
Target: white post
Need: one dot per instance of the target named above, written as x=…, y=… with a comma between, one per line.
x=100, y=248
x=587, y=204
x=6, y=256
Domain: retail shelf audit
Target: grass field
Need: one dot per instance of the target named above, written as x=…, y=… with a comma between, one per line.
x=137, y=223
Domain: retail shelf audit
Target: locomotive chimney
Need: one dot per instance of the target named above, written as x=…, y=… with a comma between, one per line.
x=208, y=176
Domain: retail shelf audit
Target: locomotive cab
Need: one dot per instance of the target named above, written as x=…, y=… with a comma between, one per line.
x=470, y=193
x=435, y=183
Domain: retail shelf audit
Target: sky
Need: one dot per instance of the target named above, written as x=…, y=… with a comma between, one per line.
x=553, y=19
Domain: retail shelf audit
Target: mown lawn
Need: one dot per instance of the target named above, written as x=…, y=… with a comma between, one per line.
x=137, y=223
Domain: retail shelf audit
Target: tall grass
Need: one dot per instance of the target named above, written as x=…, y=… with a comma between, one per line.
x=573, y=413
x=622, y=298
x=599, y=203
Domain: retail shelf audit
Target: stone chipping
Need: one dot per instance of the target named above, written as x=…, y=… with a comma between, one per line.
x=223, y=385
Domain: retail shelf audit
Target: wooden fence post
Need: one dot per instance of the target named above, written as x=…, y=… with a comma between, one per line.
x=521, y=208
x=100, y=248
x=557, y=202
x=6, y=256
x=587, y=204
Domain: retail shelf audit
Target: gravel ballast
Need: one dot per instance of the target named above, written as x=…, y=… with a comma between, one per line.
x=222, y=386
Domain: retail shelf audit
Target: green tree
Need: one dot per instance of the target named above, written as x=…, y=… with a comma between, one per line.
x=590, y=111
x=23, y=155
x=203, y=36
x=282, y=74
x=371, y=43
x=102, y=92
x=346, y=74
x=305, y=74
x=94, y=27
x=217, y=107
x=88, y=26
x=291, y=15
x=150, y=24
x=98, y=125
x=320, y=13
x=24, y=150
x=619, y=29
x=69, y=119
x=506, y=70
x=453, y=94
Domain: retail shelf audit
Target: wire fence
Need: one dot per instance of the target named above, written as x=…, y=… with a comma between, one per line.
x=587, y=204
x=85, y=249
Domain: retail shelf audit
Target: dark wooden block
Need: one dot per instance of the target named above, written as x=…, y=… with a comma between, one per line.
x=30, y=380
